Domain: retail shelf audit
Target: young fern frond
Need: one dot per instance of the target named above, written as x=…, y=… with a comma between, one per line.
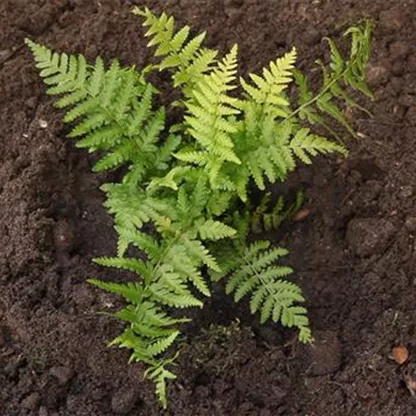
x=268, y=90
x=341, y=75
x=210, y=118
x=160, y=375
x=185, y=57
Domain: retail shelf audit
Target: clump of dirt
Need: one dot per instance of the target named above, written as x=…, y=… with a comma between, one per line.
x=354, y=254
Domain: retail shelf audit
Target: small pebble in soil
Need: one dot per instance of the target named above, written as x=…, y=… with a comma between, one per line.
x=400, y=354
x=124, y=400
x=369, y=236
x=31, y=402
x=377, y=75
x=406, y=192
x=62, y=374
x=43, y=124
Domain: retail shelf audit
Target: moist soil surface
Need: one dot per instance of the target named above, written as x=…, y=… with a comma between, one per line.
x=354, y=254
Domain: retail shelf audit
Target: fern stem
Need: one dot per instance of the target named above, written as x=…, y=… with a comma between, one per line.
x=324, y=90
x=249, y=264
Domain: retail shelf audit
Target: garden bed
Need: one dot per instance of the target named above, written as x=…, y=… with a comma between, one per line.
x=354, y=254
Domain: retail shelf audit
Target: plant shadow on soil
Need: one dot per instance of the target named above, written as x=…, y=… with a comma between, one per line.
x=354, y=254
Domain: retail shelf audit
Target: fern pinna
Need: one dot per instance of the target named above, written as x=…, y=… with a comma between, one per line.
x=183, y=201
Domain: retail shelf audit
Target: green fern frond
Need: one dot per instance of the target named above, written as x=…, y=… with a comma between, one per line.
x=305, y=145
x=160, y=375
x=182, y=55
x=268, y=90
x=161, y=345
x=215, y=230
x=196, y=249
x=210, y=115
x=182, y=262
x=342, y=74
x=131, y=291
x=257, y=275
x=137, y=238
x=112, y=108
x=145, y=324
x=64, y=74
x=271, y=156
x=162, y=294
x=130, y=264
x=132, y=207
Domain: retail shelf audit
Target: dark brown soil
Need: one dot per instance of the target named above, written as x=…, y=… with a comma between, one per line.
x=354, y=254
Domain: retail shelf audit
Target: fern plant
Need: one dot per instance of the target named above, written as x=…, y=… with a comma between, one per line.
x=183, y=202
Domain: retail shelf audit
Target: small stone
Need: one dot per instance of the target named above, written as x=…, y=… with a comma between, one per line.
x=369, y=236
x=31, y=402
x=400, y=354
x=377, y=75
x=124, y=400
x=324, y=356
x=62, y=374
x=406, y=192
x=43, y=124
x=399, y=50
